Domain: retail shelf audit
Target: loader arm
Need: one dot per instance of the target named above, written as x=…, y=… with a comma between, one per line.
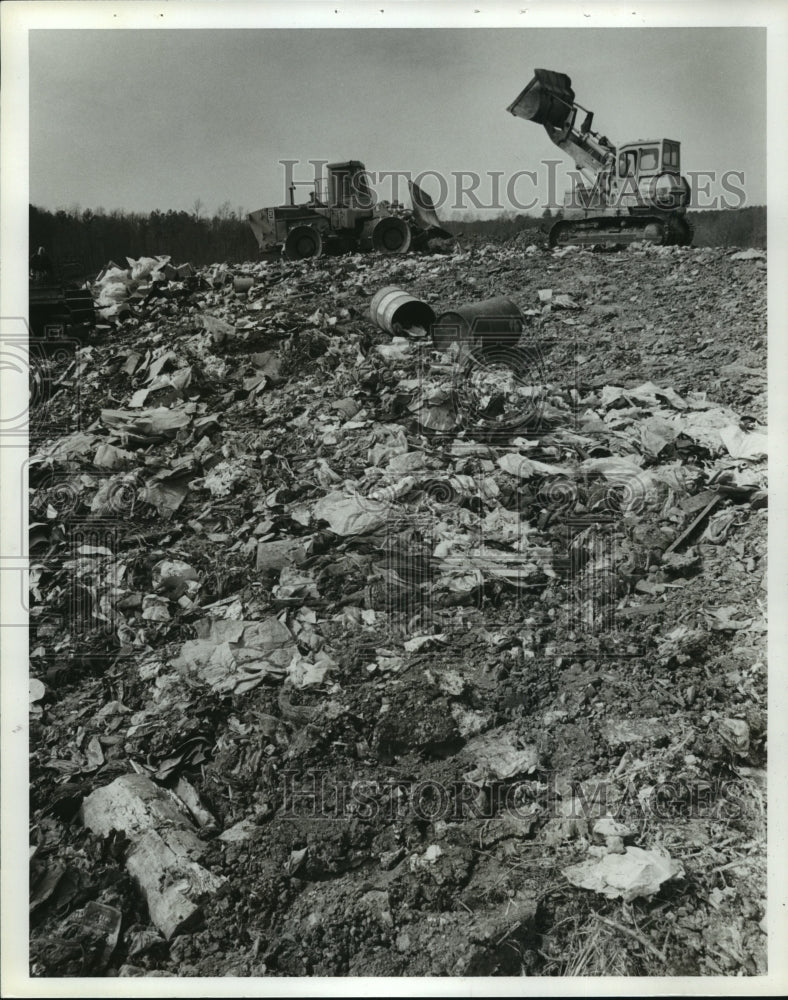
x=549, y=100
x=586, y=151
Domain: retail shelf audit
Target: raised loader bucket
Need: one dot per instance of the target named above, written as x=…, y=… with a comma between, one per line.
x=424, y=211
x=547, y=100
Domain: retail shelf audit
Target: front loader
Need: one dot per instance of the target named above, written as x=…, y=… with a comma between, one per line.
x=633, y=192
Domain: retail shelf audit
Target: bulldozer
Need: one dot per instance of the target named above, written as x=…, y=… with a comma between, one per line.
x=342, y=215
x=59, y=303
x=620, y=195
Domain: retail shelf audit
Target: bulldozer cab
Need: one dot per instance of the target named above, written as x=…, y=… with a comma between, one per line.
x=648, y=158
x=347, y=186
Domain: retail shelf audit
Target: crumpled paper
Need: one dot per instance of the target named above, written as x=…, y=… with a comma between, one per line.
x=634, y=873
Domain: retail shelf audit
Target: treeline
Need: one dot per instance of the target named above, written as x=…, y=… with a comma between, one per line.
x=731, y=227
x=94, y=238
x=504, y=227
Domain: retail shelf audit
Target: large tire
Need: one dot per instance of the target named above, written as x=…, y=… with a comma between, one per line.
x=303, y=242
x=391, y=235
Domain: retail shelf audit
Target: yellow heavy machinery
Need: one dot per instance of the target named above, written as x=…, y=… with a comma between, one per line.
x=342, y=214
x=633, y=192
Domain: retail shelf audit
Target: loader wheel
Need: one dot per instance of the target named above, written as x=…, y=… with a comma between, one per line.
x=391, y=235
x=303, y=242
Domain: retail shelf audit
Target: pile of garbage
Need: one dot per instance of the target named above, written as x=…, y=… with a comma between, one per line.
x=285, y=525
x=117, y=289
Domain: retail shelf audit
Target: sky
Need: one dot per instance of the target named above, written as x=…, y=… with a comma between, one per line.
x=138, y=120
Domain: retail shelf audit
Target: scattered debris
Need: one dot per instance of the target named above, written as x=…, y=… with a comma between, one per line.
x=634, y=873
x=164, y=848
x=494, y=604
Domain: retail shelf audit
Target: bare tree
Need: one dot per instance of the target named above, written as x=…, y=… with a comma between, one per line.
x=197, y=207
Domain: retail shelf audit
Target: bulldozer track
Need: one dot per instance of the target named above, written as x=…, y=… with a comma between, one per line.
x=621, y=231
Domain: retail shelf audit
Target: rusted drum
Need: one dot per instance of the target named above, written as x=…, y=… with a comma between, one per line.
x=493, y=322
x=242, y=284
x=392, y=306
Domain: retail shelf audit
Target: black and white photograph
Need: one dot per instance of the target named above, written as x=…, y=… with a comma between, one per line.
x=384, y=438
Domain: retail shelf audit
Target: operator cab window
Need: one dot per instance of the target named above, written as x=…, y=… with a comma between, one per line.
x=627, y=163
x=649, y=159
x=670, y=155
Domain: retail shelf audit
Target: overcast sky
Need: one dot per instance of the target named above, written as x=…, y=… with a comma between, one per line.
x=138, y=120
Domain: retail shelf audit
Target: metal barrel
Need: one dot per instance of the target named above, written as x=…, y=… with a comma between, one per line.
x=391, y=305
x=493, y=322
x=242, y=284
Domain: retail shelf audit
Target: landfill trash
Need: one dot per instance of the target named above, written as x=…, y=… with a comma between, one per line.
x=741, y=444
x=563, y=301
x=164, y=848
x=242, y=284
x=187, y=794
x=115, y=287
x=176, y=580
x=750, y=254
x=497, y=756
x=394, y=311
x=526, y=468
x=236, y=656
x=155, y=608
x=84, y=942
x=729, y=617
x=275, y=555
x=44, y=882
x=147, y=424
x=429, y=857
x=143, y=941
x=720, y=526
x=493, y=322
x=635, y=873
x=401, y=572
x=606, y=826
x=735, y=733
x=351, y=515
x=105, y=921
x=399, y=349
x=246, y=829
x=37, y=693
x=296, y=860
